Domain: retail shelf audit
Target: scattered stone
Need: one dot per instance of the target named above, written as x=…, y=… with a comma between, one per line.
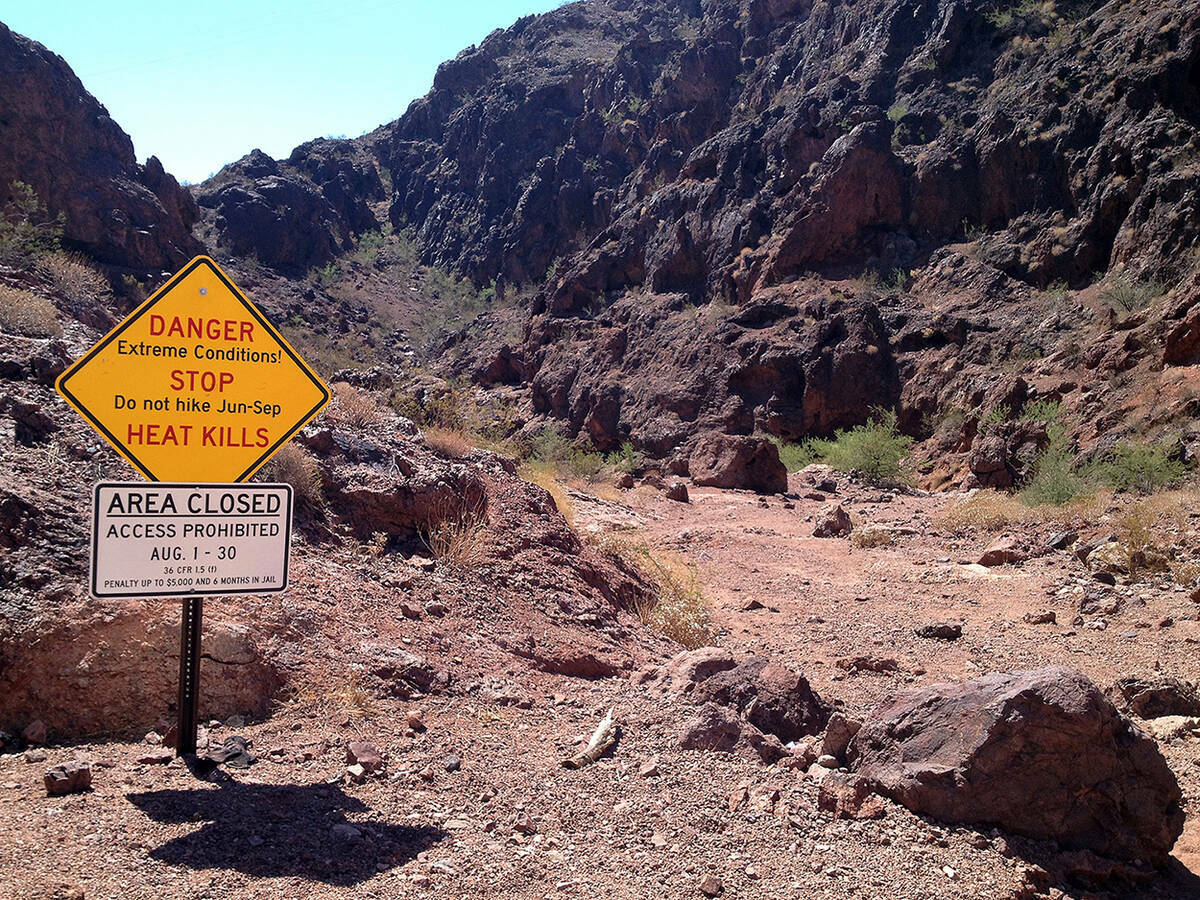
x=1105, y=578
x=1061, y=540
x=357, y=773
x=363, y=754
x=414, y=720
x=1002, y=552
x=677, y=490
x=35, y=755
x=1111, y=558
x=838, y=733
x=849, y=797
x=710, y=885
x=625, y=481
x=685, y=670
x=713, y=727
x=814, y=495
x=35, y=732
x=826, y=485
x=409, y=611
x=650, y=768
x=70, y=778
x=157, y=758
x=525, y=824
x=235, y=753
x=435, y=608
x=427, y=774
x=452, y=763
x=1005, y=750
x=344, y=831
x=942, y=631
x=1153, y=696
x=832, y=521
x=828, y=761
x=877, y=664
x=153, y=738
x=1043, y=618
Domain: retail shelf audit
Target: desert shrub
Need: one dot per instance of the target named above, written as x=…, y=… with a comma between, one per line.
x=1055, y=480
x=986, y=510
x=876, y=449
x=625, y=459
x=897, y=111
x=77, y=281
x=1041, y=411
x=445, y=409
x=27, y=230
x=678, y=609
x=296, y=466
x=872, y=536
x=1130, y=294
x=1139, y=467
x=795, y=456
x=456, y=537
x=354, y=407
x=995, y=416
x=1186, y=572
x=25, y=313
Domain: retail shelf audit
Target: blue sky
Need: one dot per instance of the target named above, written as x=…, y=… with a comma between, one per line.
x=201, y=84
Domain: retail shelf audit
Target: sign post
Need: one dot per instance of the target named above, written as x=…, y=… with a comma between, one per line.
x=195, y=387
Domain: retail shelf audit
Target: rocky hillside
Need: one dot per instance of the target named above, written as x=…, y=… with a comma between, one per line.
x=773, y=216
x=59, y=140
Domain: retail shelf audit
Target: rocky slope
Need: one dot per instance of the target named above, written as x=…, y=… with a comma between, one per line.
x=58, y=139
x=696, y=191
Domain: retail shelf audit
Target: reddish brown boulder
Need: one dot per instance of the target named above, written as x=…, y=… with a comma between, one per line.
x=1005, y=454
x=772, y=698
x=1002, y=552
x=1042, y=754
x=833, y=521
x=738, y=461
x=1152, y=696
x=70, y=778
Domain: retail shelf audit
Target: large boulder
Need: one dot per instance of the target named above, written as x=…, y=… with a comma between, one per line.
x=738, y=461
x=1042, y=754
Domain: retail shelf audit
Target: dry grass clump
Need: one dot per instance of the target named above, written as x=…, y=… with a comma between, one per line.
x=678, y=610
x=296, y=466
x=355, y=407
x=447, y=442
x=457, y=537
x=74, y=278
x=986, y=510
x=872, y=536
x=545, y=476
x=328, y=695
x=24, y=313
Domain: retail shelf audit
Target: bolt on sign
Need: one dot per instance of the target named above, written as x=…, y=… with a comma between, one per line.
x=195, y=385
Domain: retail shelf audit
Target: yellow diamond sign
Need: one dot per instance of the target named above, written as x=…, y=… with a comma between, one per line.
x=195, y=385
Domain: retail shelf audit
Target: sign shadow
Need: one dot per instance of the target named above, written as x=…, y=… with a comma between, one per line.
x=268, y=830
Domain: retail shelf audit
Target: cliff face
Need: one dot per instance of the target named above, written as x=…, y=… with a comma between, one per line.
x=697, y=189
x=57, y=138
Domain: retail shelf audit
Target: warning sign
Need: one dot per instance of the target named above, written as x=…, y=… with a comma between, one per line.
x=195, y=385
x=170, y=540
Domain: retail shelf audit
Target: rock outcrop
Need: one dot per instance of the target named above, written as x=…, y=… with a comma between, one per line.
x=58, y=139
x=1005, y=750
x=738, y=461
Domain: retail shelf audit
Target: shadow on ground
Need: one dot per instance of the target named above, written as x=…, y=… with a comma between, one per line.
x=268, y=830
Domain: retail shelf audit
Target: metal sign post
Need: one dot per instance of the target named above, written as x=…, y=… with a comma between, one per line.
x=189, y=676
x=195, y=385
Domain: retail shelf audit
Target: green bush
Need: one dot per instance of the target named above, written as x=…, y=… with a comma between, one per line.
x=795, y=456
x=1129, y=294
x=876, y=450
x=1055, y=480
x=1139, y=467
x=624, y=460
x=27, y=230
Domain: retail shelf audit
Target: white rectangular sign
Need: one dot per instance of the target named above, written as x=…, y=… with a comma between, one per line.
x=151, y=539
